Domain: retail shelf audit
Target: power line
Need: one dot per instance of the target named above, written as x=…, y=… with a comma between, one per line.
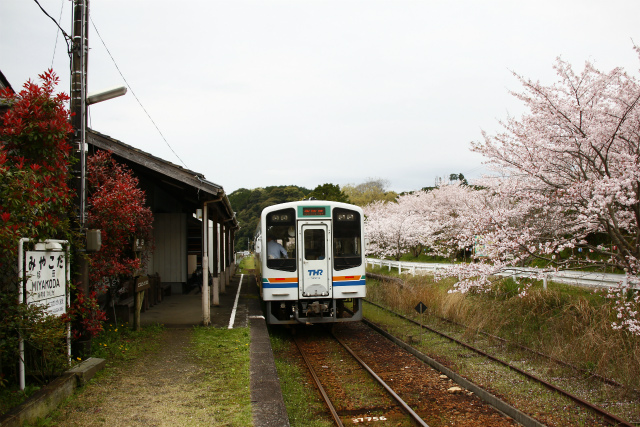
x=134, y=95
x=67, y=38
x=55, y=45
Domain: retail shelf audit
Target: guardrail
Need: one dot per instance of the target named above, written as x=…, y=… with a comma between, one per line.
x=412, y=267
x=570, y=277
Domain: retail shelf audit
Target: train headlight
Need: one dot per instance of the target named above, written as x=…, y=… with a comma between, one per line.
x=346, y=217
x=279, y=217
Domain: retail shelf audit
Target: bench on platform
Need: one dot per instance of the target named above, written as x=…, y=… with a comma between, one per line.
x=152, y=296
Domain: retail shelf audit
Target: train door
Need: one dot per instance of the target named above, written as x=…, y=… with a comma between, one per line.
x=315, y=274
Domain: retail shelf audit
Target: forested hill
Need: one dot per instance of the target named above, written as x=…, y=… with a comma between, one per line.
x=249, y=203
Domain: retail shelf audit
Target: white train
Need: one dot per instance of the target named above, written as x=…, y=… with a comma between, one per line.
x=311, y=262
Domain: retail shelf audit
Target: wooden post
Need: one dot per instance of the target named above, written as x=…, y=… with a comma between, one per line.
x=137, y=305
x=140, y=284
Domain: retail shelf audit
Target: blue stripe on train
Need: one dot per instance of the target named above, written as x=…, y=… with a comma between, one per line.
x=350, y=283
x=279, y=285
x=268, y=285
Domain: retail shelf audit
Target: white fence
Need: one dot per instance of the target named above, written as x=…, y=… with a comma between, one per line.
x=411, y=267
x=578, y=278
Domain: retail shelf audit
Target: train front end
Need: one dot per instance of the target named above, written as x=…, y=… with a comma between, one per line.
x=321, y=279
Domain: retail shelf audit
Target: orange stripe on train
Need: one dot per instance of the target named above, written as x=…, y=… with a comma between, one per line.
x=341, y=278
x=282, y=279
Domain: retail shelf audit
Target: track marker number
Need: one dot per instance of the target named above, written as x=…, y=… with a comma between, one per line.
x=363, y=419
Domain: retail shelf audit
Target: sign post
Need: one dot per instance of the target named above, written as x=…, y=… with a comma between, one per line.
x=44, y=275
x=141, y=284
x=421, y=308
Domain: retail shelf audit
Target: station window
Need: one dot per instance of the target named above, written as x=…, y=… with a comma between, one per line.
x=347, y=239
x=281, y=240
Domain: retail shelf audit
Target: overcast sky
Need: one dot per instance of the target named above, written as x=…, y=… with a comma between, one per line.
x=307, y=92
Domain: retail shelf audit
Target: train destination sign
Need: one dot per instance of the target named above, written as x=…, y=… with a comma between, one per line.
x=313, y=211
x=45, y=280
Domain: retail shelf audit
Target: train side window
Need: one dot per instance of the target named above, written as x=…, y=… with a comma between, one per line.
x=347, y=239
x=281, y=234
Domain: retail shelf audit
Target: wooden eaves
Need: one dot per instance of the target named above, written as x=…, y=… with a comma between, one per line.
x=192, y=185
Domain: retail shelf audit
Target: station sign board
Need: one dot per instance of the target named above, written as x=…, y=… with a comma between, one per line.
x=45, y=278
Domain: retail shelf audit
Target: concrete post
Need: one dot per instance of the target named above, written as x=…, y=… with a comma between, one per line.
x=215, y=294
x=223, y=257
x=206, y=313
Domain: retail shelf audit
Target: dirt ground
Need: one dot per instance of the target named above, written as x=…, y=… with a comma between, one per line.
x=161, y=389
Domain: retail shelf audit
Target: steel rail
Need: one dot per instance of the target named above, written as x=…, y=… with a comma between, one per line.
x=389, y=390
x=531, y=350
x=523, y=347
x=610, y=418
x=325, y=396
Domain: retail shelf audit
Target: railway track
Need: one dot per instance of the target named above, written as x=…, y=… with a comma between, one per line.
x=366, y=416
x=606, y=417
x=366, y=380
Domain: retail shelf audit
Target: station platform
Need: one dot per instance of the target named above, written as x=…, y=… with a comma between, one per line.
x=239, y=307
x=185, y=310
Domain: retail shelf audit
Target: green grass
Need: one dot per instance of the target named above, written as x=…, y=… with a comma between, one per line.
x=119, y=343
x=247, y=263
x=225, y=356
x=304, y=407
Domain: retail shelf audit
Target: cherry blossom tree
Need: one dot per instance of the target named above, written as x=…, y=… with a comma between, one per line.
x=386, y=228
x=570, y=169
x=578, y=152
x=567, y=179
x=423, y=219
x=450, y=212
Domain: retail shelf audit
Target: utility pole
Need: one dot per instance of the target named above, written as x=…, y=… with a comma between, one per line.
x=88, y=240
x=78, y=107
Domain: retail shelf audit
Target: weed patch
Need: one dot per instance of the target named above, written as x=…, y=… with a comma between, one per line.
x=570, y=323
x=304, y=407
x=225, y=359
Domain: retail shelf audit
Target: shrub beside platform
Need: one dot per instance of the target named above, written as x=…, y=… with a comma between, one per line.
x=45, y=400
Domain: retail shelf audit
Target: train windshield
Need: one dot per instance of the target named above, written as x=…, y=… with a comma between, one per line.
x=281, y=240
x=347, y=239
x=314, y=247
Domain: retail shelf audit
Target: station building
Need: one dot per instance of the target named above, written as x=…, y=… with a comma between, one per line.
x=180, y=200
